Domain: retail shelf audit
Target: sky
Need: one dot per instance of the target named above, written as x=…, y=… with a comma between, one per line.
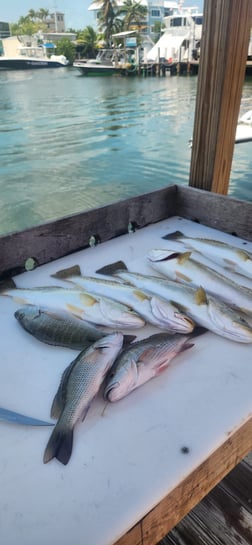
x=76, y=12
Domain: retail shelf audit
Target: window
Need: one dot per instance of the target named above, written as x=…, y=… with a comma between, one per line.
x=155, y=12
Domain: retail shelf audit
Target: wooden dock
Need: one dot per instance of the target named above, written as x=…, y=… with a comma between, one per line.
x=182, y=68
x=223, y=517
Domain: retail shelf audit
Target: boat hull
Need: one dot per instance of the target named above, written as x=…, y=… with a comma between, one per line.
x=97, y=69
x=28, y=64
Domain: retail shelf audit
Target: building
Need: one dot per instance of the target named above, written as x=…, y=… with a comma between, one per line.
x=55, y=22
x=4, y=30
x=157, y=10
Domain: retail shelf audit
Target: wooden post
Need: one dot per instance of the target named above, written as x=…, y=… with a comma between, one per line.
x=224, y=48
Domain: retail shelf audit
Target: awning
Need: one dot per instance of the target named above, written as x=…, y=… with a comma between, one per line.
x=123, y=34
x=50, y=46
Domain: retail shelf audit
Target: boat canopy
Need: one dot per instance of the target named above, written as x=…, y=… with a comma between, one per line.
x=167, y=47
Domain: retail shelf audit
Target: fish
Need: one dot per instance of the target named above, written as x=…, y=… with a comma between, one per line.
x=152, y=308
x=78, y=387
x=17, y=418
x=222, y=253
x=92, y=308
x=183, y=268
x=141, y=362
x=205, y=309
x=59, y=328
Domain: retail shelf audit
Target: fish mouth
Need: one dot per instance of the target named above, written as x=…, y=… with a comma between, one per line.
x=184, y=324
x=108, y=389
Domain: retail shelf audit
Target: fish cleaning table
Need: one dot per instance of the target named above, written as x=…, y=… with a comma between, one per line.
x=140, y=464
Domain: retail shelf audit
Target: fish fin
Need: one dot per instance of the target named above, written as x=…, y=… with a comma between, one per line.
x=128, y=339
x=57, y=406
x=200, y=296
x=173, y=236
x=84, y=414
x=87, y=300
x=184, y=257
x=59, y=445
x=77, y=311
x=112, y=268
x=181, y=276
x=68, y=272
x=59, y=398
x=17, y=298
x=198, y=331
x=179, y=306
x=7, y=283
x=186, y=346
x=141, y=295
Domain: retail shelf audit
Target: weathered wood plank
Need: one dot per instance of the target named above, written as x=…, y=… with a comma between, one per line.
x=223, y=54
x=238, y=484
x=172, y=509
x=222, y=517
x=55, y=239
x=224, y=213
x=134, y=536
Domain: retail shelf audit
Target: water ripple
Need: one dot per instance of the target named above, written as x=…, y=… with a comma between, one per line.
x=70, y=143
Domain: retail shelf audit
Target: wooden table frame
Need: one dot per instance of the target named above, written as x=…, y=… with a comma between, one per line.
x=55, y=239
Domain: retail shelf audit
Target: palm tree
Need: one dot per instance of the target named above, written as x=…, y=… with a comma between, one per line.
x=42, y=14
x=88, y=38
x=132, y=13
x=32, y=14
x=108, y=22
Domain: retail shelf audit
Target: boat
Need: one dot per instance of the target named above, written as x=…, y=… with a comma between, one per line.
x=185, y=431
x=22, y=53
x=244, y=128
x=107, y=62
x=181, y=38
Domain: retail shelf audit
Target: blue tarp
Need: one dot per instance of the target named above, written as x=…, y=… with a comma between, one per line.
x=50, y=46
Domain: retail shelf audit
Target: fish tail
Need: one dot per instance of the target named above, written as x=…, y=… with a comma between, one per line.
x=59, y=445
x=67, y=273
x=173, y=236
x=112, y=268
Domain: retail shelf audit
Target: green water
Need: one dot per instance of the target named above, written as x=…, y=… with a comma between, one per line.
x=70, y=143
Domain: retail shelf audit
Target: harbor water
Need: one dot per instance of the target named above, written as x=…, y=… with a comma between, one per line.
x=70, y=143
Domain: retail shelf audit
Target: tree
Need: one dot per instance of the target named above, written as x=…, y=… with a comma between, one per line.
x=42, y=14
x=132, y=13
x=67, y=48
x=108, y=22
x=88, y=38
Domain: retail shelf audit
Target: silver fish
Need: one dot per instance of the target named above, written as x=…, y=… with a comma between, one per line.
x=59, y=328
x=78, y=387
x=92, y=308
x=141, y=362
x=204, y=309
x=17, y=418
x=153, y=309
x=230, y=257
x=183, y=268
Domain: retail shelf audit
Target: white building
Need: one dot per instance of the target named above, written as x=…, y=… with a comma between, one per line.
x=157, y=10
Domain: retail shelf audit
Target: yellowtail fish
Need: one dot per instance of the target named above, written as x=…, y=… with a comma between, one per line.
x=79, y=385
x=17, y=418
x=183, y=268
x=60, y=328
x=204, y=309
x=224, y=254
x=153, y=309
x=92, y=308
x=141, y=362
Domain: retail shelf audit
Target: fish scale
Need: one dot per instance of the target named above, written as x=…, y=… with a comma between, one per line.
x=79, y=385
